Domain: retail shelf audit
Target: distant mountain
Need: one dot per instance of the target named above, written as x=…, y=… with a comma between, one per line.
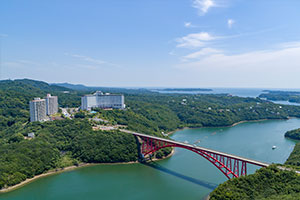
x=83, y=88
x=28, y=85
x=16, y=94
x=72, y=86
x=186, y=89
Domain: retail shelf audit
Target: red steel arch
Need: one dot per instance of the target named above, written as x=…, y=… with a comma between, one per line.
x=231, y=167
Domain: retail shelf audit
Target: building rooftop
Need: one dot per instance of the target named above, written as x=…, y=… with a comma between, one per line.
x=37, y=99
x=99, y=93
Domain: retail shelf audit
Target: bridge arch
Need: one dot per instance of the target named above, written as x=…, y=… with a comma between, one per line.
x=230, y=165
x=148, y=148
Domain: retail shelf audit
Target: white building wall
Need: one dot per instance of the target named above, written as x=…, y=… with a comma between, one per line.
x=51, y=104
x=88, y=102
x=100, y=100
x=110, y=101
x=37, y=110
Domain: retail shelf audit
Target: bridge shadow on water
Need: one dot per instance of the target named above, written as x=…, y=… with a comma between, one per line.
x=157, y=166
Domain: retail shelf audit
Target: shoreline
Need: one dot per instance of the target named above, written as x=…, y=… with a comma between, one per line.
x=81, y=165
x=58, y=171
x=168, y=156
x=245, y=121
x=234, y=124
x=69, y=168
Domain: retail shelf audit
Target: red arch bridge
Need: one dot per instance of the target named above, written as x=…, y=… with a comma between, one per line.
x=230, y=165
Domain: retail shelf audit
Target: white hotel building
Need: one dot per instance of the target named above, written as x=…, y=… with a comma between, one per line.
x=51, y=104
x=37, y=110
x=40, y=108
x=101, y=100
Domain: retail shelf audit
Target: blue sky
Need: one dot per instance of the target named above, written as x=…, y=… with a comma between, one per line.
x=152, y=43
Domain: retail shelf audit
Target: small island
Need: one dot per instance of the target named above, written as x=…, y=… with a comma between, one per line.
x=290, y=96
x=186, y=89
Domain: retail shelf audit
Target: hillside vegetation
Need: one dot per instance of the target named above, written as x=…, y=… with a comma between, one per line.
x=267, y=183
x=68, y=142
x=294, y=158
x=22, y=158
x=290, y=96
x=293, y=134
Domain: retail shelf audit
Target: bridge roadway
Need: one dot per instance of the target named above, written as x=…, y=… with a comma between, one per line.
x=198, y=148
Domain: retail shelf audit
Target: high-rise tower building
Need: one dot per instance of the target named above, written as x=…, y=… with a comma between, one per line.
x=37, y=110
x=40, y=108
x=51, y=104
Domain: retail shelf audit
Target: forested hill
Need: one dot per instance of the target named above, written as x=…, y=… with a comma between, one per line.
x=266, y=183
x=71, y=141
x=15, y=96
x=291, y=96
x=146, y=111
x=24, y=84
x=80, y=87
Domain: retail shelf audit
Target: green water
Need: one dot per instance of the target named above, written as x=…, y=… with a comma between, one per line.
x=185, y=175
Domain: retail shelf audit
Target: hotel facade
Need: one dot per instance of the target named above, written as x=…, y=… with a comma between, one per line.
x=101, y=100
x=40, y=108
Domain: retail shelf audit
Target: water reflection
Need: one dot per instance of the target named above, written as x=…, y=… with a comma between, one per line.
x=159, y=167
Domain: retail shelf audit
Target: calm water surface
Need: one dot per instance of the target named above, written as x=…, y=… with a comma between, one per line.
x=185, y=175
x=286, y=103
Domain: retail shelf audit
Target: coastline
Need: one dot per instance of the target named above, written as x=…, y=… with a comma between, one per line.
x=81, y=165
x=244, y=121
x=234, y=124
x=69, y=168
x=57, y=171
x=168, y=156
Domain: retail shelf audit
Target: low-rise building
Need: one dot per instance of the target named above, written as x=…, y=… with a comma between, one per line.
x=31, y=135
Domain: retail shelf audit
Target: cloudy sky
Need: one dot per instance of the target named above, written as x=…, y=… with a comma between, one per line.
x=151, y=43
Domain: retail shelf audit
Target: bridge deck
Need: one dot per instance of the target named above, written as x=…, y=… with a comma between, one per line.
x=199, y=148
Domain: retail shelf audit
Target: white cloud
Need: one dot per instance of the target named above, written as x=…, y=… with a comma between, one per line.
x=92, y=60
x=88, y=59
x=269, y=68
x=189, y=25
x=194, y=40
x=289, y=45
x=203, y=5
x=255, y=59
x=201, y=53
x=230, y=23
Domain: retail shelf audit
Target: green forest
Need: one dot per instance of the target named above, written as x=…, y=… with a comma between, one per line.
x=290, y=96
x=294, y=158
x=293, y=134
x=56, y=142
x=266, y=183
x=68, y=142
